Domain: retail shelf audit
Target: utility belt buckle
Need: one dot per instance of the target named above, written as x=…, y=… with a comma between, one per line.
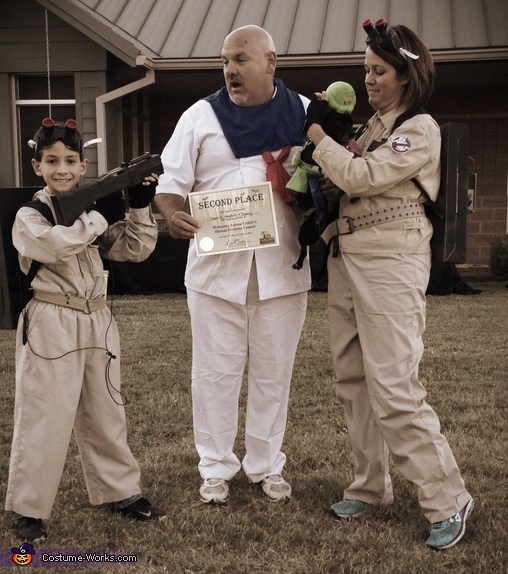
x=345, y=225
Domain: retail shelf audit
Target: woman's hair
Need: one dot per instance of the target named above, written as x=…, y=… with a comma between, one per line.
x=50, y=132
x=420, y=72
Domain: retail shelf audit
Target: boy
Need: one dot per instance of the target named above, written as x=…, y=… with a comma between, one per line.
x=67, y=368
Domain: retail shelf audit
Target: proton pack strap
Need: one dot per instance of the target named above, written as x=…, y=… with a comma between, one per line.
x=408, y=114
x=42, y=208
x=46, y=212
x=398, y=121
x=32, y=272
x=360, y=131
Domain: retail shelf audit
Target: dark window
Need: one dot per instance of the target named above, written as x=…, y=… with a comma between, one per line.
x=36, y=88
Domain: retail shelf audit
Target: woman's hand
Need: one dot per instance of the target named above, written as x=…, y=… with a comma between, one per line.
x=327, y=186
x=316, y=111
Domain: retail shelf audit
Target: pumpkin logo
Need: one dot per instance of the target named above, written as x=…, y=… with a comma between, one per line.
x=23, y=555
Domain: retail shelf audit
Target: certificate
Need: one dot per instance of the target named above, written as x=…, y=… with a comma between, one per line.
x=234, y=219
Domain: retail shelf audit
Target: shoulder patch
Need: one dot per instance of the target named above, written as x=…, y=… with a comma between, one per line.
x=400, y=144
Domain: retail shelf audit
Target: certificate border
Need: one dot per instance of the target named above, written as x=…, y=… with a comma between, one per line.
x=265, y=186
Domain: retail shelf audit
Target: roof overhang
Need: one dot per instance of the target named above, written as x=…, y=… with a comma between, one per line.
x=118, y=42
x=318, y=61
x=94, y=29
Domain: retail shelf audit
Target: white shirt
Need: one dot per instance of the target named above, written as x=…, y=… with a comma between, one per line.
x=198, y=157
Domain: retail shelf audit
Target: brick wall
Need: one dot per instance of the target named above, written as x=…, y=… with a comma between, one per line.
x=485, y=111
x=489, y=153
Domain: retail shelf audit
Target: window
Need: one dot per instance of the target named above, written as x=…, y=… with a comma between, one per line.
x=32, y=106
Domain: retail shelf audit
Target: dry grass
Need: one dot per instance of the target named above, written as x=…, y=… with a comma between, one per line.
x=465, y=369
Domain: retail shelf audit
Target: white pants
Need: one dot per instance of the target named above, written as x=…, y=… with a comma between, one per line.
x=224, y=336
x=55, y=396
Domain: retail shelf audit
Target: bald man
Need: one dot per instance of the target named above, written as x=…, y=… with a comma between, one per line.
x=246, y=307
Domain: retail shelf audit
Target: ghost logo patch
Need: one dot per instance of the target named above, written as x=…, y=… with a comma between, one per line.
x=400, y=144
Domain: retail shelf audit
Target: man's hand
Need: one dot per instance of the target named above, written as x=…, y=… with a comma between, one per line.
x=180, y=223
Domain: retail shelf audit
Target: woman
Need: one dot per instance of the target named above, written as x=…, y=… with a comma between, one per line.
x=378, y=271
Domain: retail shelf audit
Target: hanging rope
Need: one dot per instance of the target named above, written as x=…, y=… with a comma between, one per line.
x=47, y=61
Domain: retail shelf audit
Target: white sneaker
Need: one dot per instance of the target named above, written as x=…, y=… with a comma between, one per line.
x=214, y=490
x=275, y=487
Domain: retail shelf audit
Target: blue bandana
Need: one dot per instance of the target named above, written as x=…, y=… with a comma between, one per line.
x=269, y=127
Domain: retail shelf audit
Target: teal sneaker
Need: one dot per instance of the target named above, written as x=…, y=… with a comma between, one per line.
x=348, y=509
x=447, y=533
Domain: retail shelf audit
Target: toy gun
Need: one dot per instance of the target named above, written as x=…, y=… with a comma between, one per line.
x=69, y=205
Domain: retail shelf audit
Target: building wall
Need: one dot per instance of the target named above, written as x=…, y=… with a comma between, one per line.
x=23, y=51
x=23, y=42
x=486, y=114
x=489, y=150
x=7, y=173
x=485, y=111
x=89, y=85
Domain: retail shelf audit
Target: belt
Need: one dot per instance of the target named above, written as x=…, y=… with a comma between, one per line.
x=348, y=225
x=77, y=303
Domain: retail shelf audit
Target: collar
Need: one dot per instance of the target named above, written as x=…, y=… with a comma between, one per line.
x=389, y=118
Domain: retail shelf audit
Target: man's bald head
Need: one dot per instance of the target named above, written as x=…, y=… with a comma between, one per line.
x=253, y=34
x=249, y=60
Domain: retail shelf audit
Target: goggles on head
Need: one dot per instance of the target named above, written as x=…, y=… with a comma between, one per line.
x=51, y=132
x=385, y=38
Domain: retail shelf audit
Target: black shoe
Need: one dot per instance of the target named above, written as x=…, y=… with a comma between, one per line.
x=29, y=529
x=141, y=510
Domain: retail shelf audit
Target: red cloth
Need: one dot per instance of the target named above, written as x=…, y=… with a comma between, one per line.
x=277, y=175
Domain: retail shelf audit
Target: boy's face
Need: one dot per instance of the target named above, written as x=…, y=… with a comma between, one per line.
x=60, y=167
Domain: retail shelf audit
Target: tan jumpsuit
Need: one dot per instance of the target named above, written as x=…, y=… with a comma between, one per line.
x=376, y=304
x=71, y=362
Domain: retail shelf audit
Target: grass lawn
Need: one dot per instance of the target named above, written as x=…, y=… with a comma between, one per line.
x=466, y=374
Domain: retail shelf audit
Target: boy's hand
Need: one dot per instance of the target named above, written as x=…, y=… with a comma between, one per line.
x=142, y=194
x=111, y=207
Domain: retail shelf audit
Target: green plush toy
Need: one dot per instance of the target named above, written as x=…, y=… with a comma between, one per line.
x=338, y=125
